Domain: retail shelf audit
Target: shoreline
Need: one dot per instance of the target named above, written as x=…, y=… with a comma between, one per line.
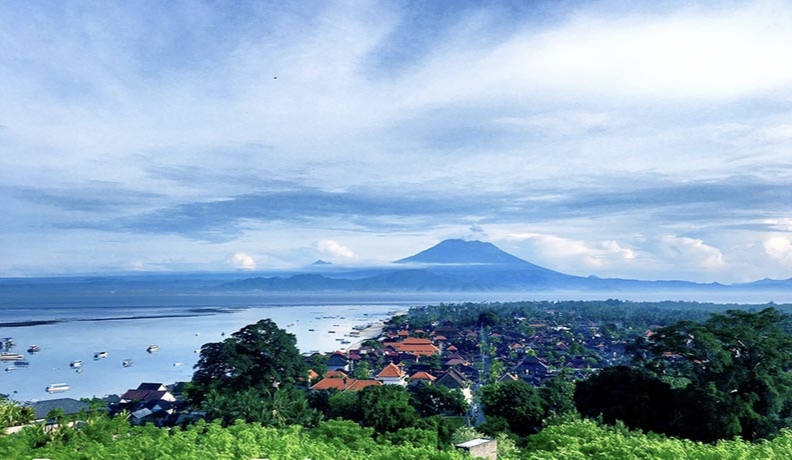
x=372, y=331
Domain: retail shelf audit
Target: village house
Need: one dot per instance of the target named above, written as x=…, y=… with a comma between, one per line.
x=392, y=375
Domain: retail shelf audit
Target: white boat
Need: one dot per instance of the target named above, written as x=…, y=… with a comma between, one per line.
x=100, y=355
x=58, y=388
x=75, y=364
x=5, y=356
x=152, y=348
x=127, y=363
x=178, y=364
x=10, y=368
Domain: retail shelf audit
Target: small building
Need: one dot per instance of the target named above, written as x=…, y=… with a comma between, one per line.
x=68, y=406
x=146, y=392
x=481, y=448
x=392, y=375
x=338, y=362
x=453, y=380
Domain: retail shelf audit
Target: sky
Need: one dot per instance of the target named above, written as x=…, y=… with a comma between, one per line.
x=645, y=140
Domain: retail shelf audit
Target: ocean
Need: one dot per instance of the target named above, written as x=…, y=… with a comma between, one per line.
x=75, y=331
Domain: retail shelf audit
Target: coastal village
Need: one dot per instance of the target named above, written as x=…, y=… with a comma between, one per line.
x=397, y=353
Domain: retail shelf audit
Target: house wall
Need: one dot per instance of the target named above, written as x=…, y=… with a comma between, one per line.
x=481, y=448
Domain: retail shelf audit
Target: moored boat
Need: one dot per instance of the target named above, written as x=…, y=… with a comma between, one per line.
x=58, y=387
x=100, y=355
x=6, y=356
x=127, y=363
x=33, y=349
x=76, y=364
x=152, y=348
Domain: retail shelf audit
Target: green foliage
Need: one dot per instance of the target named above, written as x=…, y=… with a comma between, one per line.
x=737, y=369
x=272, y=407
x=259, y=356
x=584, y=439
x=431, y=400
x=386, y=408
x=558, y=394
x=362, y=371
x=13, y=414
x=515, y=404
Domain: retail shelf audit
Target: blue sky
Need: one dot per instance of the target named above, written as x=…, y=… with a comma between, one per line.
x=617, y=139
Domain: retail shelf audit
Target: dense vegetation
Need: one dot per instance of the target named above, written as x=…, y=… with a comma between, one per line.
x=702, y=383
x=574, y=439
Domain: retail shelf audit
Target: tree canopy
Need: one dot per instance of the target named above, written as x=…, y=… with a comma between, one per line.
x=259, y=356
x=727, y=376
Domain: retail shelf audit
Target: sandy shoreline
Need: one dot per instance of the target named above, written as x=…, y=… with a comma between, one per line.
x=372, y=331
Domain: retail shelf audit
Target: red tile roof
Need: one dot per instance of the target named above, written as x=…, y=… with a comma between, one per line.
x=421, y=375
x=347, y=384
x=391, y=370
x=335, y=375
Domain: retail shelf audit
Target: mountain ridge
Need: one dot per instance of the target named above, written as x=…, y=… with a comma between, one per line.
x=456, y=265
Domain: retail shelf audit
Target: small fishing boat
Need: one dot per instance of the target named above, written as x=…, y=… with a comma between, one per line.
x=58, y=388
x=178, y=364
x=153, y=348
x=5, y=356
x=33, y=349
x=75, y=364
x=127, y=363
x=100, y=355
x=22, y=364
x=10, y=368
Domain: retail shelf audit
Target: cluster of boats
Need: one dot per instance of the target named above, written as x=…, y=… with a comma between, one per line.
x=18, y=360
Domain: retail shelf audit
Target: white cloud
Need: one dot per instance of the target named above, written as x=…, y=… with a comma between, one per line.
x=242, y=261
x=571, y=254
x=691, y=252
x=779, y=248
x=334, y=249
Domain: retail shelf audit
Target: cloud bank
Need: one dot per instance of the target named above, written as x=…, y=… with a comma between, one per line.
x=601, y=138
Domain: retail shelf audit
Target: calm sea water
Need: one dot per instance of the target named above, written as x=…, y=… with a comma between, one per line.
x=125, y=332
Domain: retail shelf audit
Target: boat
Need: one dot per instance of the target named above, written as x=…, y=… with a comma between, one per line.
x=10, y=368
x=75, y=364
x=7, y=342
x=127, y=363
x=33, y=349
x=152, y=348
x=22, y=364
x=58, y=388
x=100, y=355
x=178, y=364
x=5, y=356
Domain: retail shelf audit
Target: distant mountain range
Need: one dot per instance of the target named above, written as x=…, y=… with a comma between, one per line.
x=470, y=266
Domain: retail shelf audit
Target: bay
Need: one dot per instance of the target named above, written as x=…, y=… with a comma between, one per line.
x=179, y=334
